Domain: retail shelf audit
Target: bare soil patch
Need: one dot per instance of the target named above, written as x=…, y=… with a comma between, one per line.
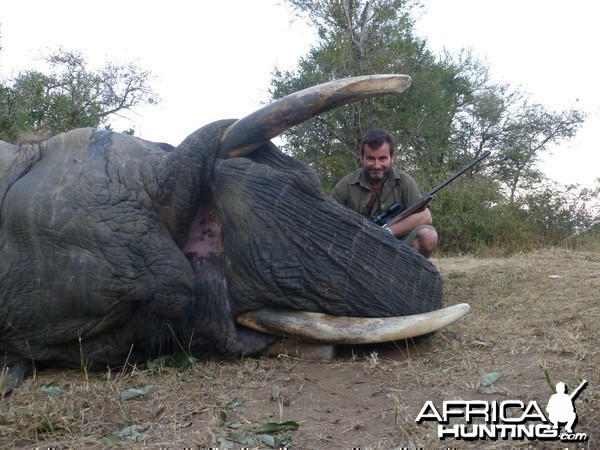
x=534, y=319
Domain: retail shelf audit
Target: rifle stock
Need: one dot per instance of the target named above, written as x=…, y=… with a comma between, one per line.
x=416, y=207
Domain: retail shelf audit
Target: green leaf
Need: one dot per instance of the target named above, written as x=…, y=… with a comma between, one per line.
x=182, y=361
x=233, y=403
x=111, y=439
x=225, y=442
x=274, y=441
x=136, y=392
x=45, y=424
x=549, y=381
x=489, y=378
x=52, y=389
x=158, y=363
x=271, y=441
x=273, y=427
x=243, y=438
x=133, y=432
x=223, y=417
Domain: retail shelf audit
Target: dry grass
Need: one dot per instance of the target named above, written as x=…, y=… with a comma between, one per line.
x=524, y=324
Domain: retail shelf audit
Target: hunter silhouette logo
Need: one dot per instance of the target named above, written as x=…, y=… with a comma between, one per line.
x=508, y=419
x=560, y=406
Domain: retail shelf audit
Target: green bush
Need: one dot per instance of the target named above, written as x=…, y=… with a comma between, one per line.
x=473, y=217
x=463, y=215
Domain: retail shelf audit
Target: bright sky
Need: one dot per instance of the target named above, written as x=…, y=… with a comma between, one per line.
x=214, y=60
x=547, y=48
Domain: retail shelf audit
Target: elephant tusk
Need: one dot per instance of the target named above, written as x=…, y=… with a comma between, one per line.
x=249, y=133
x=327, y=329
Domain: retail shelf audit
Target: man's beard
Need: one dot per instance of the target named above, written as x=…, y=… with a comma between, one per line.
x=377, y=176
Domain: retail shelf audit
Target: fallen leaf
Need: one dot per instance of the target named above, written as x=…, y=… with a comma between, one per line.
x=52, y=389
x=272, y=427
x=136, y=392
x=489, y=378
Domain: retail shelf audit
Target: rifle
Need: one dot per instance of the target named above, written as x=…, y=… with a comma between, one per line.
x=575, y=393
x=394, y=212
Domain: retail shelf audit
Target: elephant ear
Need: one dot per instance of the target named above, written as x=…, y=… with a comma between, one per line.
x=15, y=161
x=269, y=154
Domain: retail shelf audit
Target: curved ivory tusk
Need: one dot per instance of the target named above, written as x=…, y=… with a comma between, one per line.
x=327, y=329
x=247, y=134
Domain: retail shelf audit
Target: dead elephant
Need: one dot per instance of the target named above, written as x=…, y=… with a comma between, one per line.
x=113, y=248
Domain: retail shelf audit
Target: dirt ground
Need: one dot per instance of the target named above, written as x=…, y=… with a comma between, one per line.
x=534, y=320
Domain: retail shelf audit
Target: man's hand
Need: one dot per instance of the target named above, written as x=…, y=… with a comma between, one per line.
x=404, y=226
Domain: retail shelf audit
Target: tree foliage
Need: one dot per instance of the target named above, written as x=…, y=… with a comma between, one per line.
x=359, y=38
x=451, y=114
x=70, y=95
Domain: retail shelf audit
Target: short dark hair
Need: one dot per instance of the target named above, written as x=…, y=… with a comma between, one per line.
x=376, y=138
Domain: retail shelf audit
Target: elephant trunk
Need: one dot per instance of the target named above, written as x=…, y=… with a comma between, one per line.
x=298, y=249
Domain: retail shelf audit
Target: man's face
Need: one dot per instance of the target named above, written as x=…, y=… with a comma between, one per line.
x=376, y=162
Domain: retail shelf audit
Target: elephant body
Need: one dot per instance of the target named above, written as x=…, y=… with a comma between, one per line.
x=113, y=248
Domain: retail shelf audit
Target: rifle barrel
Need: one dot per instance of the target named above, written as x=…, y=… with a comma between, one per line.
x=576, y=391
x=459, y=173
x=427, y=197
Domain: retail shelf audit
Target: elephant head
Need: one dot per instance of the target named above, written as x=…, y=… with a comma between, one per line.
x=113, y=248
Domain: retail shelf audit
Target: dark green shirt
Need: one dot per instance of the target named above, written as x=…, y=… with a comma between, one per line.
x=354, y=191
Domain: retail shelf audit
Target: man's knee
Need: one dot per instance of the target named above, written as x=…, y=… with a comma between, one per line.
x=426, y=241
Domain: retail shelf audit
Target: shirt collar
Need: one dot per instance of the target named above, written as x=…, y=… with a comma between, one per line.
x=360, y=177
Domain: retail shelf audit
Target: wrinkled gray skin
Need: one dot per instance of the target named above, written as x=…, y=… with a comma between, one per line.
x=113, y=249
